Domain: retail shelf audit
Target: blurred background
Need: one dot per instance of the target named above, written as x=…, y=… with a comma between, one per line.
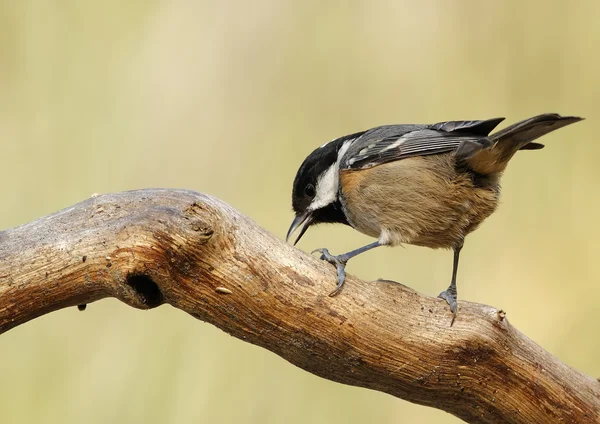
x=227, y=98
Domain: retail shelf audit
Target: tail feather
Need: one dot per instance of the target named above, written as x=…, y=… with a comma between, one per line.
x=532, y=146
x=519, y=136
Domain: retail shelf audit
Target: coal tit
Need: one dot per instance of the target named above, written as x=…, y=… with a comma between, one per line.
x=425, y=185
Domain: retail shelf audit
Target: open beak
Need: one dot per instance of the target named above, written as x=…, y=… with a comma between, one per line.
x=301, y=221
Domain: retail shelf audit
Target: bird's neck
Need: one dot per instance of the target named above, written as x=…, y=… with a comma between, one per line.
x=332, y=213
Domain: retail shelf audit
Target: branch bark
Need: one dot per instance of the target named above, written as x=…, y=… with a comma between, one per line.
x=198, y=254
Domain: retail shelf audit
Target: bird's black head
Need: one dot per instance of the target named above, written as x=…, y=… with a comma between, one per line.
x=315, y=193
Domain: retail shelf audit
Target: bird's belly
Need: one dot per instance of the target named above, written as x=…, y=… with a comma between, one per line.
x=421, y=200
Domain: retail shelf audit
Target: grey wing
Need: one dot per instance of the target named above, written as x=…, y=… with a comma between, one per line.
x=396, y=142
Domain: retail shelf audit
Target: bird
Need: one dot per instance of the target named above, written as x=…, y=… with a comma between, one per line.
x=424, y=185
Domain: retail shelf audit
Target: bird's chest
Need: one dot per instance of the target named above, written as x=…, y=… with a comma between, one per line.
x=421, y=201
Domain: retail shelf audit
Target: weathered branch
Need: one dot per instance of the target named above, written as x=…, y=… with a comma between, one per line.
x=198, y=254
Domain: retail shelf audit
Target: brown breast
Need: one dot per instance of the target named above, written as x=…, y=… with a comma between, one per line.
x=420, y=200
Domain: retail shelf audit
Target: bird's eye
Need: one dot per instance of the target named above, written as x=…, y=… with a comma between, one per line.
x=310, y=190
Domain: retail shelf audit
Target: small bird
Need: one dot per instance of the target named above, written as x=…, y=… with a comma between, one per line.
x=425, y=185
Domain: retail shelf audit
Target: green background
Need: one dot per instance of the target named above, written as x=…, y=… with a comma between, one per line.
x=228, y=98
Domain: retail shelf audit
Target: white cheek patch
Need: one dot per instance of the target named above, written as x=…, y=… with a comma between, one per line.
x=326, y=190
x=328, y=181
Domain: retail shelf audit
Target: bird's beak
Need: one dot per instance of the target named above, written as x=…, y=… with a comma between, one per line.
x=302, y=221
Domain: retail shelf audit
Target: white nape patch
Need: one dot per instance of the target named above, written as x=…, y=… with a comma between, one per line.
x=395, y=144
x=343, y=151
x=328, y=182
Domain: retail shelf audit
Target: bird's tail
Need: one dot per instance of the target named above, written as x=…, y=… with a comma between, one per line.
x=520, y=136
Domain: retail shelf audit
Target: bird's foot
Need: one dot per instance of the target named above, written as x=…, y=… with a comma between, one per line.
x=340, y=264
x=450, y=297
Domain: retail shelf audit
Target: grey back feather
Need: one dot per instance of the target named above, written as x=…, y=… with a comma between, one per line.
x=395, y=142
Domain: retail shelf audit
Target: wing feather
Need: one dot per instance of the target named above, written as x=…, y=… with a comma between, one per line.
x=366, y=154
x=396, y=142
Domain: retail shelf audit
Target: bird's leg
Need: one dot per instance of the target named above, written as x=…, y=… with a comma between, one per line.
x=450, y=294
x=340, y=262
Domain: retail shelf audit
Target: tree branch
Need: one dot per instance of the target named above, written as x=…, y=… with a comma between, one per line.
x=197, y=254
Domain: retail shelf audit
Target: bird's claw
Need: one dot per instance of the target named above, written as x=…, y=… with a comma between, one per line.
x=340, y=265
x=324, y=253
x=326, y=256
x=450, y=298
